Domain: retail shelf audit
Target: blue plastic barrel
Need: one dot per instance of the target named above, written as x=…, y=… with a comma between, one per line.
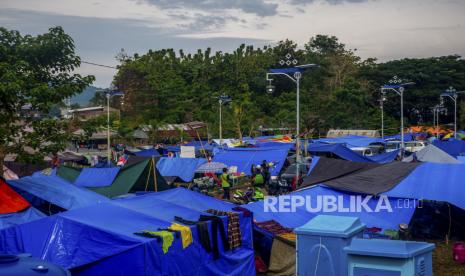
x=24, y=264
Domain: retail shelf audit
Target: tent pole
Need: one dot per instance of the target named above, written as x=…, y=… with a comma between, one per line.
x=155, y=180
x=148, y=177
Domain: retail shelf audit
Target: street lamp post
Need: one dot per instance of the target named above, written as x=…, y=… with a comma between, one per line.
x=453, y=94
x=222, y=100
x=396, y=85
x=381, y=105
x=294, y=74
x=108, y=95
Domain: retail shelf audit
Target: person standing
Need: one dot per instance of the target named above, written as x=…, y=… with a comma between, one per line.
x=225, y=184
x=266, y=172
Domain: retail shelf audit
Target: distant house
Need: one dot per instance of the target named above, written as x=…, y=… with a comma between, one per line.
x=98, y=140
x=87, y=113
x=192, y=129
x=334, y=133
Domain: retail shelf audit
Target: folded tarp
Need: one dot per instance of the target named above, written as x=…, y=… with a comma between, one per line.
x=432, y=154
x=351, y=140
x=96, y=177
x=184, y=168
x=56, y=190
x=11, y=201
x=100, y=240
x=244, y=158
x=13, y=219
x=452, y=147
x=382, y=219
x=147, y=153
x=430, y=181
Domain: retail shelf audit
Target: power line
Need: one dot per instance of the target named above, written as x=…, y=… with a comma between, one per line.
x=96, y=64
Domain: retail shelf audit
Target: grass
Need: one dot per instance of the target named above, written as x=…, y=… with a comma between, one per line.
x=443, y=263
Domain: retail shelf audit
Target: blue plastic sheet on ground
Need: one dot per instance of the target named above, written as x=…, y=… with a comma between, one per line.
x=184, y=168
x=56, y=190
x=433, y=181
x=96, y=177
x=12, y=219
x=452, y=146
x=147, y=153
x=244, y=158
x=383, y=219
x=351, y=140
x=100, y=240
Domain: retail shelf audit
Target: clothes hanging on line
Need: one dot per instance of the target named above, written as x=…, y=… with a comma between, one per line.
x=234, y=229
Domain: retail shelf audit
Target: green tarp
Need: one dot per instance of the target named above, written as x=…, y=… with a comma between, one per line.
x=131, y=178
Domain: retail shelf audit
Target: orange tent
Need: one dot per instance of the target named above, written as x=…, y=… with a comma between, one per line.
x=10, y=201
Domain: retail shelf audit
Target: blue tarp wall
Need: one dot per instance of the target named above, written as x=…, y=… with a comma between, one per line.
x=244, y=158
x=56, y=190
x=99, y=240
x=452, y=146
x=434, y=181
x=184, y=168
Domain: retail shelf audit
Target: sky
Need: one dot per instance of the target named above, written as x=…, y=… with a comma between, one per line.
x=383, y=29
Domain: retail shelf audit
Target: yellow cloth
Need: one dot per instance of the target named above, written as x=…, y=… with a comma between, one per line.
x=186, y=234
x=288, y=236
x=166, y=236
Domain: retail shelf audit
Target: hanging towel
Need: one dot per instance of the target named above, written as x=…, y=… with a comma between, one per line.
x=186, y=234
x=166, y=236
x=234, y=229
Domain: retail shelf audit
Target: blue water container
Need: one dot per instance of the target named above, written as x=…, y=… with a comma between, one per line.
x=24, y=264
x=373, y=257
x=320, y=243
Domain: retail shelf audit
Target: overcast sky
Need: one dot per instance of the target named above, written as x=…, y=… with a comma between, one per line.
x=385, y=29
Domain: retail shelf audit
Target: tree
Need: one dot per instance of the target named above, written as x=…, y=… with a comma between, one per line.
x=35, y=71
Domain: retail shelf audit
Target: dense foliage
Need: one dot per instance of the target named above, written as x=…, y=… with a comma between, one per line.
x=163, y=86
x=35, y=75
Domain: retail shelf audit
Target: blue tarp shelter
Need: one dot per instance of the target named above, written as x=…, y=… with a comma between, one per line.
x=96, y=177
x=282, y=145
x=199, y=145
x=244, y=158
x=100, y=240
x=351, y=140
x=345, y=153
x=12, y=219
x=382, y=219
x=56, y=190
x=433, y=181
x=147, y=153
x=184, y=168
x=452, y=147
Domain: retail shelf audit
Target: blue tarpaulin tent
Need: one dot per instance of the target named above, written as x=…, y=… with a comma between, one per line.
x=96, y=177
x=433, y=181
x=56, y=190
x=100, y=240
x=244, y=158
x=351, y=140
x=283, y=145
x=12, y=219
x=200, y=145
x=348, y=154
x=384, y=158
x=382, y=219
x=184, y=168
x=147, y=153
x=452, y=146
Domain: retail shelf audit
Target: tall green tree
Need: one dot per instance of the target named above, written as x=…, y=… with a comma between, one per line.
x=37, y=72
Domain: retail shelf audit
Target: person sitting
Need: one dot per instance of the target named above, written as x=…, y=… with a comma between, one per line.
x=258, y=179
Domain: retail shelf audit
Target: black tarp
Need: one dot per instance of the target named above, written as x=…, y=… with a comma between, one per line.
x=359, y=177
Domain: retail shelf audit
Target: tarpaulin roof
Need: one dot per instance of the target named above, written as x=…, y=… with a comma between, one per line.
x=184, y=168
x=351, y=140
x=452, y=147
x=10, y=201
x=12, y=219
x=431, y=181
x=283, y=145
x=407, y=137
x=383, y=219
x=200, y=145
x=384, y=158
x=56, y=190
x=100, y=239
x=363, y=178
x=244, y=158
x=147, y=153
x=96, y=177
x=432, y=154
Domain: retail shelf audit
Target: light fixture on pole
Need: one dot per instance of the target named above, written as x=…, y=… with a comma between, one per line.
x=453, y=94
x=381, y=100
x=294, y=73
x=397, y=85
x=108, y=94
x=222, y=100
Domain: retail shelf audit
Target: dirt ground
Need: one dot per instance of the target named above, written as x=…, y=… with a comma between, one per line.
x=443, y=263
